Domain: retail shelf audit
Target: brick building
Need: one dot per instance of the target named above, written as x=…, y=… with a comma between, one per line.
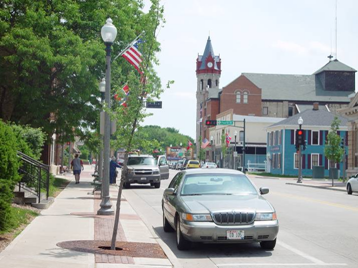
x=271, y=95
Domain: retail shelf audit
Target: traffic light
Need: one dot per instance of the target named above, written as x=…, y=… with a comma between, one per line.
x=300, y=137
x=210, y=122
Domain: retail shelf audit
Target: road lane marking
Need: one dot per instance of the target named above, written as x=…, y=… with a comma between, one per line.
x=317, y=201
x=281, y=264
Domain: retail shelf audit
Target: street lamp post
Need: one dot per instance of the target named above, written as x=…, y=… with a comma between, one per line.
x=212, y=148
x=299, y=180
x=108, y=33
x=102, y=89
x=235, y=151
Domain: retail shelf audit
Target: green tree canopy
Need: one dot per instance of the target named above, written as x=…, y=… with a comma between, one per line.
x=332, y=149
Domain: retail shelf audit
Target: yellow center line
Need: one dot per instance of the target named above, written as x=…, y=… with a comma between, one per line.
x=317, y=201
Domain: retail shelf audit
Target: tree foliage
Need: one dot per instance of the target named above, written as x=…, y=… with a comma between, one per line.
x=9, y=164
x=52, y=59
x=332, y=149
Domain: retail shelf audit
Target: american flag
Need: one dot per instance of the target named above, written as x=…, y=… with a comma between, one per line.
x=133, y=56
x=204, y=143
x=228, y=139
x=189, y=145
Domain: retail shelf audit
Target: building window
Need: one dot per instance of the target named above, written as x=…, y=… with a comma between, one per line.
x=241, y=136
x=209, y=83
x=290, y=111
x=273, y=160
x=271, y=140
x=268, y=139
x=314, y=160
x=315, y=138
x=279, y=137
x=201, y=84
x=238, y=97
x=217, y=82
x=246, y=97
x=278, y=160
x=296, y=164
x=265, y=111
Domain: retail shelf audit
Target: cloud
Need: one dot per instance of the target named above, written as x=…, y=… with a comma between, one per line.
x=302, y=49
x=290, y=46
x=184, y=95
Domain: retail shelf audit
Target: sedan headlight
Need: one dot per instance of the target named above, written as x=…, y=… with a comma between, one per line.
x=270, y=216
x=156, y=171
x=196, y=217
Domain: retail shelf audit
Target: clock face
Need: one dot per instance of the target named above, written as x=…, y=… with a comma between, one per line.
x=210, y=64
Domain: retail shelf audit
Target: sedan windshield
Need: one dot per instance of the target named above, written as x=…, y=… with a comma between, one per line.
x=150, y=161
x=217, y=184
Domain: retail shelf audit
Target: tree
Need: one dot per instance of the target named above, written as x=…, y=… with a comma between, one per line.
x=332, y=149
x=52, y=60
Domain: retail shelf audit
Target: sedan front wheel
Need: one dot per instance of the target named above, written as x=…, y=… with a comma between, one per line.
x=182, y=243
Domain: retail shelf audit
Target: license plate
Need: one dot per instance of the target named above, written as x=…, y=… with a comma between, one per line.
x=143, y=179
x=235, y=234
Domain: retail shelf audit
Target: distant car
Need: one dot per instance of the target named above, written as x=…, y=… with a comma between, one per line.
x=144, y=169
x=218, y=206
x=192, y=164
x=352, y=184
x=209, y=165
x=179, y=165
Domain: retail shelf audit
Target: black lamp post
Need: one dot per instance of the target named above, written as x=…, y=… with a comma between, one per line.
x=102, y=89
x=108, y=33
x=299, y=180
x=235, y=153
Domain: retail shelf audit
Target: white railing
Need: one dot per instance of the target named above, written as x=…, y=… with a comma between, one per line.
x=256, y=167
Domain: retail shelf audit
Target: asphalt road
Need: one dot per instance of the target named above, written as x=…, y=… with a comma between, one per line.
x=317, y=228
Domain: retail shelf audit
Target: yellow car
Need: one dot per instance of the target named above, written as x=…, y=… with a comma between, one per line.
x=192, y=164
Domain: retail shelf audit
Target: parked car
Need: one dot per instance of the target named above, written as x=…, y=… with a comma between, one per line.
x=145, y=169
x=218, y=206
x=352, y=184
x=191, y=164
x=209, y=165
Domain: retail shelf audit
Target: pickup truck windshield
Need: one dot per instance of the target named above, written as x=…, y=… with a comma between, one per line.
x=150, y=161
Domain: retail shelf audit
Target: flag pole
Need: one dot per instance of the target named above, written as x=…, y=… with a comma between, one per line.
x=128, y=46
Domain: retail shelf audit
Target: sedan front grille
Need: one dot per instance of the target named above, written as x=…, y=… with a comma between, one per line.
x=233, y=217
x=143, y=172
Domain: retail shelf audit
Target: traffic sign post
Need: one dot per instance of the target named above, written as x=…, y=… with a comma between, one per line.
x=155, y=104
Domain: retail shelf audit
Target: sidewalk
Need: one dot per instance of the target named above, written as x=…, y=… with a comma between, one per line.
x=71, y=222
x=314, y=183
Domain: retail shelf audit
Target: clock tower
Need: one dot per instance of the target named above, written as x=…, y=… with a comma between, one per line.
x=208, y=71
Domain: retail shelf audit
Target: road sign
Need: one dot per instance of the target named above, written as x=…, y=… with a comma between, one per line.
x=225, y=122
x=155, y=104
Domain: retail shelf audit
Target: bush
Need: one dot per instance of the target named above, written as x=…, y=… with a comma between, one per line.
x=9, y=165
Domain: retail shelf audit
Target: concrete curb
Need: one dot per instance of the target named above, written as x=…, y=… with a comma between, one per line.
x=317, y=186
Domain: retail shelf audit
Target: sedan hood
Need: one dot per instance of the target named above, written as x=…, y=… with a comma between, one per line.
x=220, y=203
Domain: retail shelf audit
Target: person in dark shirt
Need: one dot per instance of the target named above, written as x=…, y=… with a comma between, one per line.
x=112, y=170
x=77, y=166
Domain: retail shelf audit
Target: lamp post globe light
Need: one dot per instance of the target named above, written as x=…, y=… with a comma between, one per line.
x=299, y=180
x=108, y=33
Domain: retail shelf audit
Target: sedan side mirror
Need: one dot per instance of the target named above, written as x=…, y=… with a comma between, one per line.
x=169, y=191
x=264, y=190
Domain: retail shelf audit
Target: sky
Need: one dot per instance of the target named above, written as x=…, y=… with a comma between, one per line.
x=257, y=36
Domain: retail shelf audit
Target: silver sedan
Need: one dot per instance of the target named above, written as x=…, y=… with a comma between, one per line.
x=218, y=206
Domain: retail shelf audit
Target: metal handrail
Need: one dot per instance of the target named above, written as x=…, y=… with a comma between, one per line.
x=34, y=164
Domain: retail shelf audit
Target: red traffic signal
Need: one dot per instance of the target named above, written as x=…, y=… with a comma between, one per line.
x=300, y=137
x=210, y=122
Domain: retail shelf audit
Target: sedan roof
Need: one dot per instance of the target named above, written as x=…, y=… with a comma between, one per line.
x=213, y=171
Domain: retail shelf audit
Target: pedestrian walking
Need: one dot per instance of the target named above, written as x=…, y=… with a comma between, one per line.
x=112, y=170
x=77, y=166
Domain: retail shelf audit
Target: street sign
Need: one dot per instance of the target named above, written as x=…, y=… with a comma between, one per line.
x=225, y=122
x=155, y=104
